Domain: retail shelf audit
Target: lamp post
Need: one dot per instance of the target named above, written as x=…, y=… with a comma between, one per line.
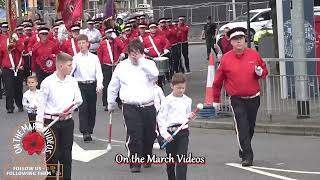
x=248, y=24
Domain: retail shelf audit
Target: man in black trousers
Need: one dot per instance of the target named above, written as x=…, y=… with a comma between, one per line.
x=87, y=71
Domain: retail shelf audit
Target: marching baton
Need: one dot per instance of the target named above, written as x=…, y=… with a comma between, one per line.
x=110, y=132
x=56, y=119
x=190, y=118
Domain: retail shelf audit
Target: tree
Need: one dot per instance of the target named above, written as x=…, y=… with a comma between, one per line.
x=2, y=3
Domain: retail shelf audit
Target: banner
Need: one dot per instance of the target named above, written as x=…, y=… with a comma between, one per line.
x=11, y=14
x=71, y=11
x=109, y=9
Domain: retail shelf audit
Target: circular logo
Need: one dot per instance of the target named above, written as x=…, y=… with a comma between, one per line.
x=49, y=63
x=309, y=38
x=27, y=143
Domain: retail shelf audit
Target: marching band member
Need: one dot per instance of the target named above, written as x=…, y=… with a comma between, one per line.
x=142, y=19
x=156, y=45
x=109, y=52
x=175, y=48
x=12, y=71
x=93, y=35
x=136, y=92
x=26, y=56
x=70, y=45
x=142, y=31
x=127, y=36
x=4, y=31
x=134, y=26
x=43, y=55
x=184, y=28
x=87, y=71
x=57, y=92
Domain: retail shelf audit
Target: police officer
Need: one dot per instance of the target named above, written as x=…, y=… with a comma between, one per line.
x=240, y=70
x=136, y=92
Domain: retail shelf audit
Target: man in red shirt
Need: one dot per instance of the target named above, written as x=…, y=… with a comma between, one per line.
x=184, y=29
x=26, y=56
x=142, y=31
x=11, y=62
x=109, y=52
x=224, y=42
x=240, y=71
x=70, y=45
x=43, y=55
x=175, y=47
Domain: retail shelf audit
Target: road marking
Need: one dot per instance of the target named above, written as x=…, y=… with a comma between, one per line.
x=284, y=170
x=259, y=171
x=80, y=154
x=100, y=139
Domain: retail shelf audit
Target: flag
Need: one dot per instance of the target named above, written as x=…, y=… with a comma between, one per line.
x=11, y=14
x=109, y=9
x=71, y=11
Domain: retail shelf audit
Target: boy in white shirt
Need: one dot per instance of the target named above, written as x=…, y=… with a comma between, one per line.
x=174, y=111
x=30, y=98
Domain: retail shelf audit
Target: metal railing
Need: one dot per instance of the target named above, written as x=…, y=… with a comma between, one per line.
x=196, y=14
x=275, y=106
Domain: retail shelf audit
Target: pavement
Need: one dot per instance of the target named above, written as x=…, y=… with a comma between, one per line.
x=286, y=157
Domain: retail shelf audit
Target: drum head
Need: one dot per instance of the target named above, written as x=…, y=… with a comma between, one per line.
x=160, y=58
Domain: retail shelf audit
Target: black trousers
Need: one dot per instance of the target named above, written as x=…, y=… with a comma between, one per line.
x=32, y=118
x=107, y=74
x=179, y=146
x=210, y=45
x=41, y=75
x=140, y=124
x=1, y=89
x=13, y=88
x=27, y=66
x=185, y=53
x=176, y=58
x=245, y=112
x=87, y=110
x=63, y=131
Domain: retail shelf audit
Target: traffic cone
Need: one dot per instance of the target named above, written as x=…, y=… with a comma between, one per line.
x=210, y=78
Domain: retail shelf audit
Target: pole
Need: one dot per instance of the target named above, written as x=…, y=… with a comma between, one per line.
x=234, y=9
x=282, y=65
x=248, y=24
x=300, y=68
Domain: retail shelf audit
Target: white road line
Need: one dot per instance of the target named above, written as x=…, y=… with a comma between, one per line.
x=100, y=139
x=284, y=170
x=259, y=171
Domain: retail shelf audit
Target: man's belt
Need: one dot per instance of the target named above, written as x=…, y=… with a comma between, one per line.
x=250, y=97
x=87, y=82
x=142, y=105
x=54, y=116
x=175, y=127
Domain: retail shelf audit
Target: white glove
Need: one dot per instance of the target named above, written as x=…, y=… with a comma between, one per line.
x=113, y=35
x=166, y=51
x=112, y=106
x=216, y=106
x=146, y=50
x=258, y=70
x=122, y=56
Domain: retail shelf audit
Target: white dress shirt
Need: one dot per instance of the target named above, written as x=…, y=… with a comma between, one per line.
x=158, y=97
x=173, y=111
x=135, y=82
x=87, y=67
x=30, y=100
x=56, y=95
x=93, y=35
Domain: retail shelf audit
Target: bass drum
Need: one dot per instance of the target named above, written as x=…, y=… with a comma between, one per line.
x=162, y=64
x=48, y=63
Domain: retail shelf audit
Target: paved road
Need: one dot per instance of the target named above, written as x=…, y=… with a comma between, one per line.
x=217, y=146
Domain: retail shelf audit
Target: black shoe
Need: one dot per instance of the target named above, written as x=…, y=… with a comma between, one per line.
x=20, y=109
x=147, y=165
x=86, y=137
x=106, y=108
x=77, y=109
x=10, y=111
x=135, y=169
x=1, y=97
x=246, y=163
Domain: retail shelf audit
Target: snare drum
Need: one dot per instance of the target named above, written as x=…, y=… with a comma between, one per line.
x=162, y=64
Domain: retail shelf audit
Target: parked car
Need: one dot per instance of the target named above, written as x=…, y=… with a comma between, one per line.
x=259, y=18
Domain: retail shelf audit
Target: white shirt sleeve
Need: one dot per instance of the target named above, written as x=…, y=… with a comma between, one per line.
x=150, y=69
x=162, y=120
x=43, y=96
x=114, y=86
x=25, y=100
x=99, y=75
